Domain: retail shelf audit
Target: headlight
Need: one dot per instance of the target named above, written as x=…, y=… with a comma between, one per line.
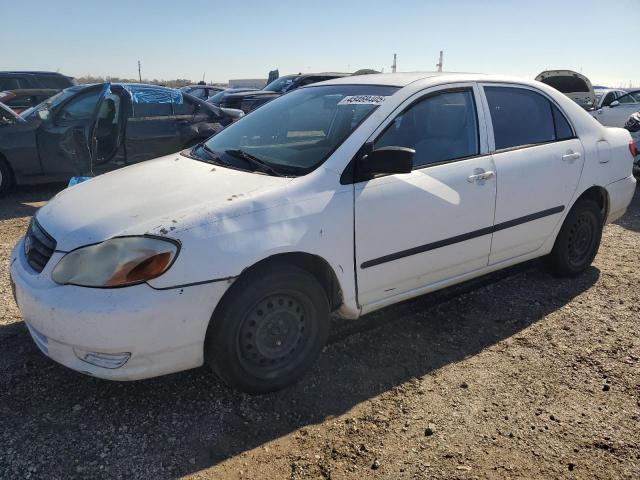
x=116, y=262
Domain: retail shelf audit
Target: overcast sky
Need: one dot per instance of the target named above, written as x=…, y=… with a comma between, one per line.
x=245, y=39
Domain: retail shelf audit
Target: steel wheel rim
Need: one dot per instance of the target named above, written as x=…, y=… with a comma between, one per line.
x=273, y=334
x=581, y=239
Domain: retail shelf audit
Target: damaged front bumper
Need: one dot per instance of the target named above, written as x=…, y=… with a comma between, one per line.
x=125, y=333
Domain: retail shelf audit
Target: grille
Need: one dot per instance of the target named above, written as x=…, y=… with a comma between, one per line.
x=38, y=246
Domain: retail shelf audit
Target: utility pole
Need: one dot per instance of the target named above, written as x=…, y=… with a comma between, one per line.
x=393, y=67
x=139, y=72
x=439, y=64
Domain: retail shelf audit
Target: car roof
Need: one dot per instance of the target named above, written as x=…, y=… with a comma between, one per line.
x=34, y=72
x=404, y=79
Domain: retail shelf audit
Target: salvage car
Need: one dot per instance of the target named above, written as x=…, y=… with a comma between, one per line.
x=344, y=196
x=86, y=130
x=573, y=84
x=249, y=101
x=619, y=111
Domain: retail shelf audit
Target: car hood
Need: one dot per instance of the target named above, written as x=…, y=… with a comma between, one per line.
x=153, y=197
x=573, y=84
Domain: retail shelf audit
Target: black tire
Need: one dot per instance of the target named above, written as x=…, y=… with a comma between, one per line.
x=578, y=240
x=268, y=330
x=6, y=177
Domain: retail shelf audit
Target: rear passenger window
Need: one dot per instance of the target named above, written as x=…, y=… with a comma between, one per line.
x=519, y=116
x=185, y=107
x=152, y=110
x=439, y=128
x=563, y=129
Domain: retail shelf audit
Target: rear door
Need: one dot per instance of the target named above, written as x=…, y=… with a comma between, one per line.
x=538, y=162
x=151, y=129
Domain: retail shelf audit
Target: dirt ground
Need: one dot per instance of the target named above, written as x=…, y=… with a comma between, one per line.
x=516, y=375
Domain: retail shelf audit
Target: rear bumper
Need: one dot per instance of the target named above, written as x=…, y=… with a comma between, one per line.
x=155, y=331
x=620, y=196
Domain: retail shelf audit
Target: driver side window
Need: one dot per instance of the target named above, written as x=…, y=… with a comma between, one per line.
x=79, y=108
x=439, y=128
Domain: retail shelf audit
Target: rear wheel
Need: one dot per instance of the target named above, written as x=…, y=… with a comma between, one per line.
x=268, y=330
x=579, y=239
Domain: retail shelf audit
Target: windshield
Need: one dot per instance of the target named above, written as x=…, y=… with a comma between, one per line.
x=49, y=102
x=297, y=132
x=281, y=84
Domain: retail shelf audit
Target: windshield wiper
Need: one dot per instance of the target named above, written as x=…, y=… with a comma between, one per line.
x=213, y=157
x=255, y=161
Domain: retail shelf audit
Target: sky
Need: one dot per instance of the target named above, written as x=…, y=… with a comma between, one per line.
x=223, y=40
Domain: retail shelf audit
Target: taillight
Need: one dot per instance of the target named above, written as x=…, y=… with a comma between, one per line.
x=632, y=148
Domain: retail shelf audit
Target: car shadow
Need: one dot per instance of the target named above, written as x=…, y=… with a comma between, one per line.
x=631, y=219
x=24, y=201
x=182, y=423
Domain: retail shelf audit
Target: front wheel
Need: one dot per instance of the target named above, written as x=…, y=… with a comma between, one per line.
x=579, y=239
x=268, y=330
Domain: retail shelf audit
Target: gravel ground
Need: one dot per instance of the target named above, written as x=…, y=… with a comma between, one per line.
x=516, y=375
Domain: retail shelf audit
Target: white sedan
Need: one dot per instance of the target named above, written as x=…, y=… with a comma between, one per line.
x=618, y=111
x=345, y=196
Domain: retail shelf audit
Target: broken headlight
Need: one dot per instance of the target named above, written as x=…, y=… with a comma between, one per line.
x=117, y=262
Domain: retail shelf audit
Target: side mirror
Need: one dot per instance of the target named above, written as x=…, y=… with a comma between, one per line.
x=385, y=161
x=615, y=103
x=235, y=113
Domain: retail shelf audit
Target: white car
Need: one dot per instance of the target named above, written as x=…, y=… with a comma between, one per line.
x=619, y=111
x=345, y=196
x=604, y=96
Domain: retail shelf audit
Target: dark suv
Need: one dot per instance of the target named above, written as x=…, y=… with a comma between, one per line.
x=27, y=89
x=249, y=101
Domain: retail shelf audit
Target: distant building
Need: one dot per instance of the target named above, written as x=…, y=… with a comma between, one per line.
x=248, y=83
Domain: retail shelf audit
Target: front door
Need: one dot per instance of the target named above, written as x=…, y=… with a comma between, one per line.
x=417, y=229
x=65, y=139
x=538, y=161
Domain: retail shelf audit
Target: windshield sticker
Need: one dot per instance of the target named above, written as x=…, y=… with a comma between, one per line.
x=362, y=100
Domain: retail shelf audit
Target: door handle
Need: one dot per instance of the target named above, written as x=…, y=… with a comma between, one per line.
x=571, y=156
x=479, y=175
